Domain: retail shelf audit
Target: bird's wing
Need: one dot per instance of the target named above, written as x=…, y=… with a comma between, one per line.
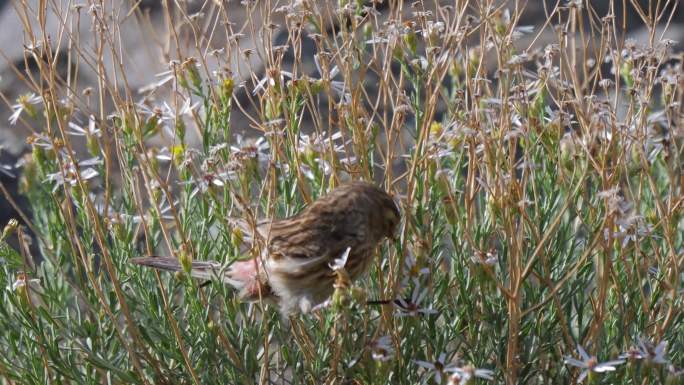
x=297, y=248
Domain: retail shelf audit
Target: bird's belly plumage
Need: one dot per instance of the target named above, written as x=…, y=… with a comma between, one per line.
x=305, y=283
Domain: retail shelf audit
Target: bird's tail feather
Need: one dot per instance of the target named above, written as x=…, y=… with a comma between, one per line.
x=242, y=275
x=200, y=269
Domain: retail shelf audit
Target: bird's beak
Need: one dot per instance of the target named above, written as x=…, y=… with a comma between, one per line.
x=396, y=235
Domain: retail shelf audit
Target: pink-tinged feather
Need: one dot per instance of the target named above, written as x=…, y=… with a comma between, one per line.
x=245, y=275
x=241, y=275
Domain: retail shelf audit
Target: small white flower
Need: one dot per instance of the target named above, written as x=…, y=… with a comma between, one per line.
x=164, y=154
x=675, y=372
x=163, y=211
x=433, y=28
x=437, y=368
x=377, y=40
x=522, y=30
x=187, y=108
x=23, y=102
x=489, y=258
x=339, y=263
x=464, y=375
x=648, y=352
x=606, y=83
x=68, y=175
x=22, y=282
x=31, y=287
x=260, y=86
x=207, y=180
x=591, y=364
x=164, y=77
x=321, y=143
x=521, y=58
x=7, y=170
x=41, y=140
x=166, y=116
x=337, y=86
x=91, y=130
x=411, y=307
x=412, y=272
x=252, y=149
x=382, y=349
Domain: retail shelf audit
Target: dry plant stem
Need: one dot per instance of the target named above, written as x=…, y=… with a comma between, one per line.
x=32, y=307
x=47, y=71
x=540, y=195
x=169, y=315
x=99, y=238
x=24, y=217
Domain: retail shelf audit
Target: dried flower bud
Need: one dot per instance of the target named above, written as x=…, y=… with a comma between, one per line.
x=29, y=175
x=411, y=41
x=474, y=58
x=341, y=297
x=568, y=150
x=40, y=158
x=180, y=276
x=185, y=260
x=227, y=87
x=93, y=145
x=190, y=67
x=605, y=83
x=237, y=238
x=450, y=209
x=178, y=154
x=9, y=229
x=28, y=291
x=626, y=73
x=368, y=31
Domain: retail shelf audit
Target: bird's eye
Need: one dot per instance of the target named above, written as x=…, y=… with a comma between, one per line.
x=391, y=214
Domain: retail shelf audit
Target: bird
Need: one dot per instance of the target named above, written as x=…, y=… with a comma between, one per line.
x=295, y=268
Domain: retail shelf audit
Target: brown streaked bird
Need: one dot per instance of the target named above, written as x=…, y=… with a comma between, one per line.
x=293, y=269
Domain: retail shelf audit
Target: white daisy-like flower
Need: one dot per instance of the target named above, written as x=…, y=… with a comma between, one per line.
x=270, y=80
x=647, y=351
x=412, y=307
x=436, y=369
x=24, y=103
x=90, y=130
x=339, y=263
x=382, y=349
x=464, y=375
x=30, y=288
x=70, y=173
x=253, y=149
x=590, y=364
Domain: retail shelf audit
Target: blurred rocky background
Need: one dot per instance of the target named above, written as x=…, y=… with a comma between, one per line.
x=148, y=47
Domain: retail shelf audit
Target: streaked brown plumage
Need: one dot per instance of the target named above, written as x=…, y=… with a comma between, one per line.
x=293, y=269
